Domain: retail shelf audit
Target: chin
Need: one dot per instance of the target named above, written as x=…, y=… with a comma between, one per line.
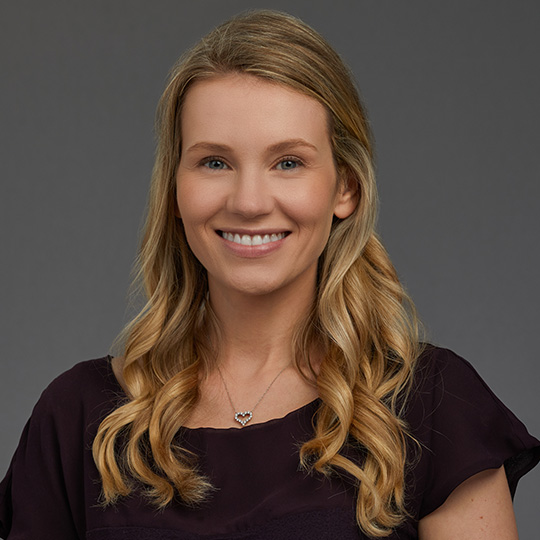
x=257, y=289
x=250, y=285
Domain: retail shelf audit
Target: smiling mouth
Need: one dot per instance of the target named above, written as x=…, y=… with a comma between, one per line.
x=255, y=240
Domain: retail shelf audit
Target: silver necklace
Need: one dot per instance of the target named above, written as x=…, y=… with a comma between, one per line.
x=243, y=417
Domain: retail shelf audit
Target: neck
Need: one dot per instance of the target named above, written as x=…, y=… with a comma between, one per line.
x=257, y=330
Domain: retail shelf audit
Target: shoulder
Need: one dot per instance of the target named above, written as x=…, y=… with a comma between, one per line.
x=438, y=361
x=83, y=388
x=441, y=373
x=461, y=427
x=52, y=469
x=446, y=385
x=87, y=373
x=66, y=417
x=83, y=379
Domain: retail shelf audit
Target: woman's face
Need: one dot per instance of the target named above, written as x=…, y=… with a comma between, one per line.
x=257, y=185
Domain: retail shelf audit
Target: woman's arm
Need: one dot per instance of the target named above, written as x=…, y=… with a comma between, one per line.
x=478, y=509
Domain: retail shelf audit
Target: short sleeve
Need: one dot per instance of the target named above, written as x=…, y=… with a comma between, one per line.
x=463, y=429
x=34, y=492
x=43, y=493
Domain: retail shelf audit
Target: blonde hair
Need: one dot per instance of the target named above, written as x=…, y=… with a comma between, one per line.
x=361, y=316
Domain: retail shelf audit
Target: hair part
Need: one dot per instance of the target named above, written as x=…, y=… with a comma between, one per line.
x=361, y=317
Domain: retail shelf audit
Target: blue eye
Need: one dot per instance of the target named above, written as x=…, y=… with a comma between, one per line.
x=287, y=164
x=215, y=164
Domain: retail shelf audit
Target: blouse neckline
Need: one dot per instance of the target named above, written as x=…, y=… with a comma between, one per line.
x=292, y=415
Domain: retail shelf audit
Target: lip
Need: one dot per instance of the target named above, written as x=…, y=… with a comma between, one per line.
x=251, y=252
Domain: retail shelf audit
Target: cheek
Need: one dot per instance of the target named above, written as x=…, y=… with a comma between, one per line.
x=190, y=214
x=191, y=224
x=197, y=206
x=193, y=203
x=315, y=209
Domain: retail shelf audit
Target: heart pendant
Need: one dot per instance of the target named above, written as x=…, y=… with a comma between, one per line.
x=243, y=417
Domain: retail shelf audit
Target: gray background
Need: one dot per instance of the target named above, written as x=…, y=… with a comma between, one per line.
x=452, y=89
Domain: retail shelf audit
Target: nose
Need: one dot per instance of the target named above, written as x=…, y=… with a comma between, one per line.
x=250, y=195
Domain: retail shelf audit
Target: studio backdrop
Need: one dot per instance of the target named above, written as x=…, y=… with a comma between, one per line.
x=452, y=93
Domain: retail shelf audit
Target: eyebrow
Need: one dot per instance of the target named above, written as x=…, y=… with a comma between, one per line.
x=274, y=148
x=290, y=143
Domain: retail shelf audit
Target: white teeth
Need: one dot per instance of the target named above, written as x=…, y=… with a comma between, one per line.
x=256, y=240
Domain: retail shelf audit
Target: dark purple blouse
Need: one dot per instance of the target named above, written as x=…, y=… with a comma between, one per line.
x=52, y=488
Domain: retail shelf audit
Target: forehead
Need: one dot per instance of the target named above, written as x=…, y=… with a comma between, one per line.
x=241, y=107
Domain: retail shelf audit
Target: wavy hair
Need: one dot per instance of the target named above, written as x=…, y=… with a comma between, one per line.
x=361, y=316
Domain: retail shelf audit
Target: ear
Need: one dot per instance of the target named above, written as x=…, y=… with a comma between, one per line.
x=346, y=198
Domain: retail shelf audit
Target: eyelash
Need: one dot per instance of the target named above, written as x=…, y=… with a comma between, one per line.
x=209, y=159
x=205, y=162
x=299, y=162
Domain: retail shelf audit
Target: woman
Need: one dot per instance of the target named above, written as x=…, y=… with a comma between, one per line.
x=274, y=386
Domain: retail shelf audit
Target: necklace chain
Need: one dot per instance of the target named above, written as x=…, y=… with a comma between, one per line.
x=243, y=417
